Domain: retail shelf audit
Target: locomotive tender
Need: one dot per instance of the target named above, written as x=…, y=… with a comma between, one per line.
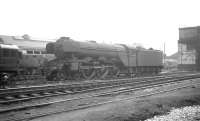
x=75, y=60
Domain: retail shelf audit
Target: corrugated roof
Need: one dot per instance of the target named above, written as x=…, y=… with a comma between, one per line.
x=24, y=43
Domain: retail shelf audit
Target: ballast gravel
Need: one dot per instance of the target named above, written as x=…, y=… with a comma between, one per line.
x=188, y=113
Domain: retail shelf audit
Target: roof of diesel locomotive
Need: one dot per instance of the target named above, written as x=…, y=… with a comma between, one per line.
x=5, y=46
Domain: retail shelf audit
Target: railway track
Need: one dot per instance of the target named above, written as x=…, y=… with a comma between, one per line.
x=12, y=95
x=24, y=94
x=11, y=90
x=27, y=80
x=95, y=98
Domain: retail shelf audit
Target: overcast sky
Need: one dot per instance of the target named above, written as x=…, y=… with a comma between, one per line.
x=149, y=22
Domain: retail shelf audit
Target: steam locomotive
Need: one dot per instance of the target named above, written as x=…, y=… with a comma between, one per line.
x=89, y=60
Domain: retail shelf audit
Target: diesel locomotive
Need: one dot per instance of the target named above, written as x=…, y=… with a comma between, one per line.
x=89, y=60
x=22, y=58
x=10, y=57
x=33, y=53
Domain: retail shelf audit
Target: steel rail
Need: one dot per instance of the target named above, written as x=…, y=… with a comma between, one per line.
x=64, y=92
x=106, y=102
x=80, y=83
x=115, y=92
x=66, y=88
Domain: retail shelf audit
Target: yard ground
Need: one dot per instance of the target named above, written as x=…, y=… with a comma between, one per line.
x=133, y=110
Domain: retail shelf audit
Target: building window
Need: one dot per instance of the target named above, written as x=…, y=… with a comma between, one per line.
x=36, y=52
x=29, y=52
x=44, y=52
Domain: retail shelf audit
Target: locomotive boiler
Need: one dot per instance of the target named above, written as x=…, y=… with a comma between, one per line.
x=75, y=60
